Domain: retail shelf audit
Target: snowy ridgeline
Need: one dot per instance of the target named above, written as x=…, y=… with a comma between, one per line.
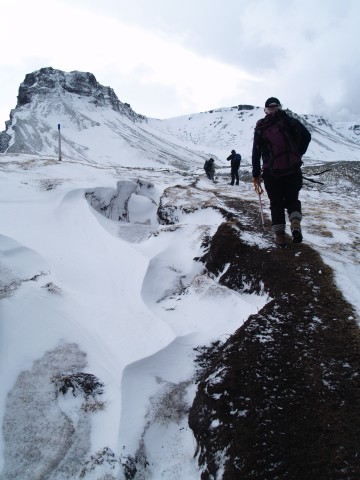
x=97, y=127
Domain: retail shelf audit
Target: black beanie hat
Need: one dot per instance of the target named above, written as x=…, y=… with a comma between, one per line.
x=272, y=102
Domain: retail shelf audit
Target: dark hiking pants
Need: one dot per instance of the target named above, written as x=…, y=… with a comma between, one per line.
x=283, y=193
x=235, y=175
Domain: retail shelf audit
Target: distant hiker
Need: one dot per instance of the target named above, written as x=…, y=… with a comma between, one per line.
x=235, y=165
x=209, y=167
x=281, y=141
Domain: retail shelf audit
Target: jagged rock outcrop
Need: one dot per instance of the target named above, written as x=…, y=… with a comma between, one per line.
x=4, y=140
x=48, y=92
x=47, y=80
x=245, y=107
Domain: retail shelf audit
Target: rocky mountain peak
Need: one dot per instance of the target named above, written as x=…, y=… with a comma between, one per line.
x=70, y=97
x=48, y=80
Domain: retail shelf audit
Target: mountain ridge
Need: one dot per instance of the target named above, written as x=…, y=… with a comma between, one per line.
x=77, y=102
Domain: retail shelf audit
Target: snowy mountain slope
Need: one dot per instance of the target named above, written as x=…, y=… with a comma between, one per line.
x=103, y=296
x=221, y=130
x=94, y=123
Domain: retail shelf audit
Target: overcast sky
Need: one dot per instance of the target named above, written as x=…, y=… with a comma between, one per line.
x=173, y=57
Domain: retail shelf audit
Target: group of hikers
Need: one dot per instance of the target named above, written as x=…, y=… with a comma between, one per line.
x=279, y=143
x=234, y=158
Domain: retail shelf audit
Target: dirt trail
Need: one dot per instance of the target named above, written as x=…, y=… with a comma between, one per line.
x=279, y=400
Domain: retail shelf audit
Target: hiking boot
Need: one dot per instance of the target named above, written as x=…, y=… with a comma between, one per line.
x=280, y=239
x=296, y=230
x=297, y=235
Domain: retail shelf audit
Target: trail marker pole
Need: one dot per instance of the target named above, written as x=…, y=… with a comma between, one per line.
x=59, y=142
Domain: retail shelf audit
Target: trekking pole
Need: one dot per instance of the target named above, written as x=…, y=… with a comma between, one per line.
x=261, y=212
x=259, y=190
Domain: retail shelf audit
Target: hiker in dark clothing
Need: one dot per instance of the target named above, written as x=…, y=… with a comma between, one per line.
x=280, y=141
x=209, y=167
x=235, y=159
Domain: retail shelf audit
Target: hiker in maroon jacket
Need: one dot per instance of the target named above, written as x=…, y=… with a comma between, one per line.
x=280, y=141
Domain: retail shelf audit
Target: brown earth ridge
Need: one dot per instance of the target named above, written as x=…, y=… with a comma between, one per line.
x=280, y=398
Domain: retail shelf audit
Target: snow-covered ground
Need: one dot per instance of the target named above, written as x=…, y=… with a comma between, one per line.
x=132, y=299
x=71, y=276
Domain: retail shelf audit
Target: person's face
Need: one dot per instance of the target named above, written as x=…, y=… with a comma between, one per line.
x=271, y=110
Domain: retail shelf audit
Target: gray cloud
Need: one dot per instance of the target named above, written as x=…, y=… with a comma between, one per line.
x=302, y=51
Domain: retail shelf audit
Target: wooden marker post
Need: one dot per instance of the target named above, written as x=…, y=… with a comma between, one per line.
x=59, y=142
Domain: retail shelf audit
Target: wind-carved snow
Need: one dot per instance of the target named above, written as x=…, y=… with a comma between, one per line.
x=154, y=418
x=18, y=264
x=173, y=279
x=114, y=204
x=132, y=204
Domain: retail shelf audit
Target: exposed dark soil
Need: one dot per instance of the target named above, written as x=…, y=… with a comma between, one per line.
x=280, y=399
